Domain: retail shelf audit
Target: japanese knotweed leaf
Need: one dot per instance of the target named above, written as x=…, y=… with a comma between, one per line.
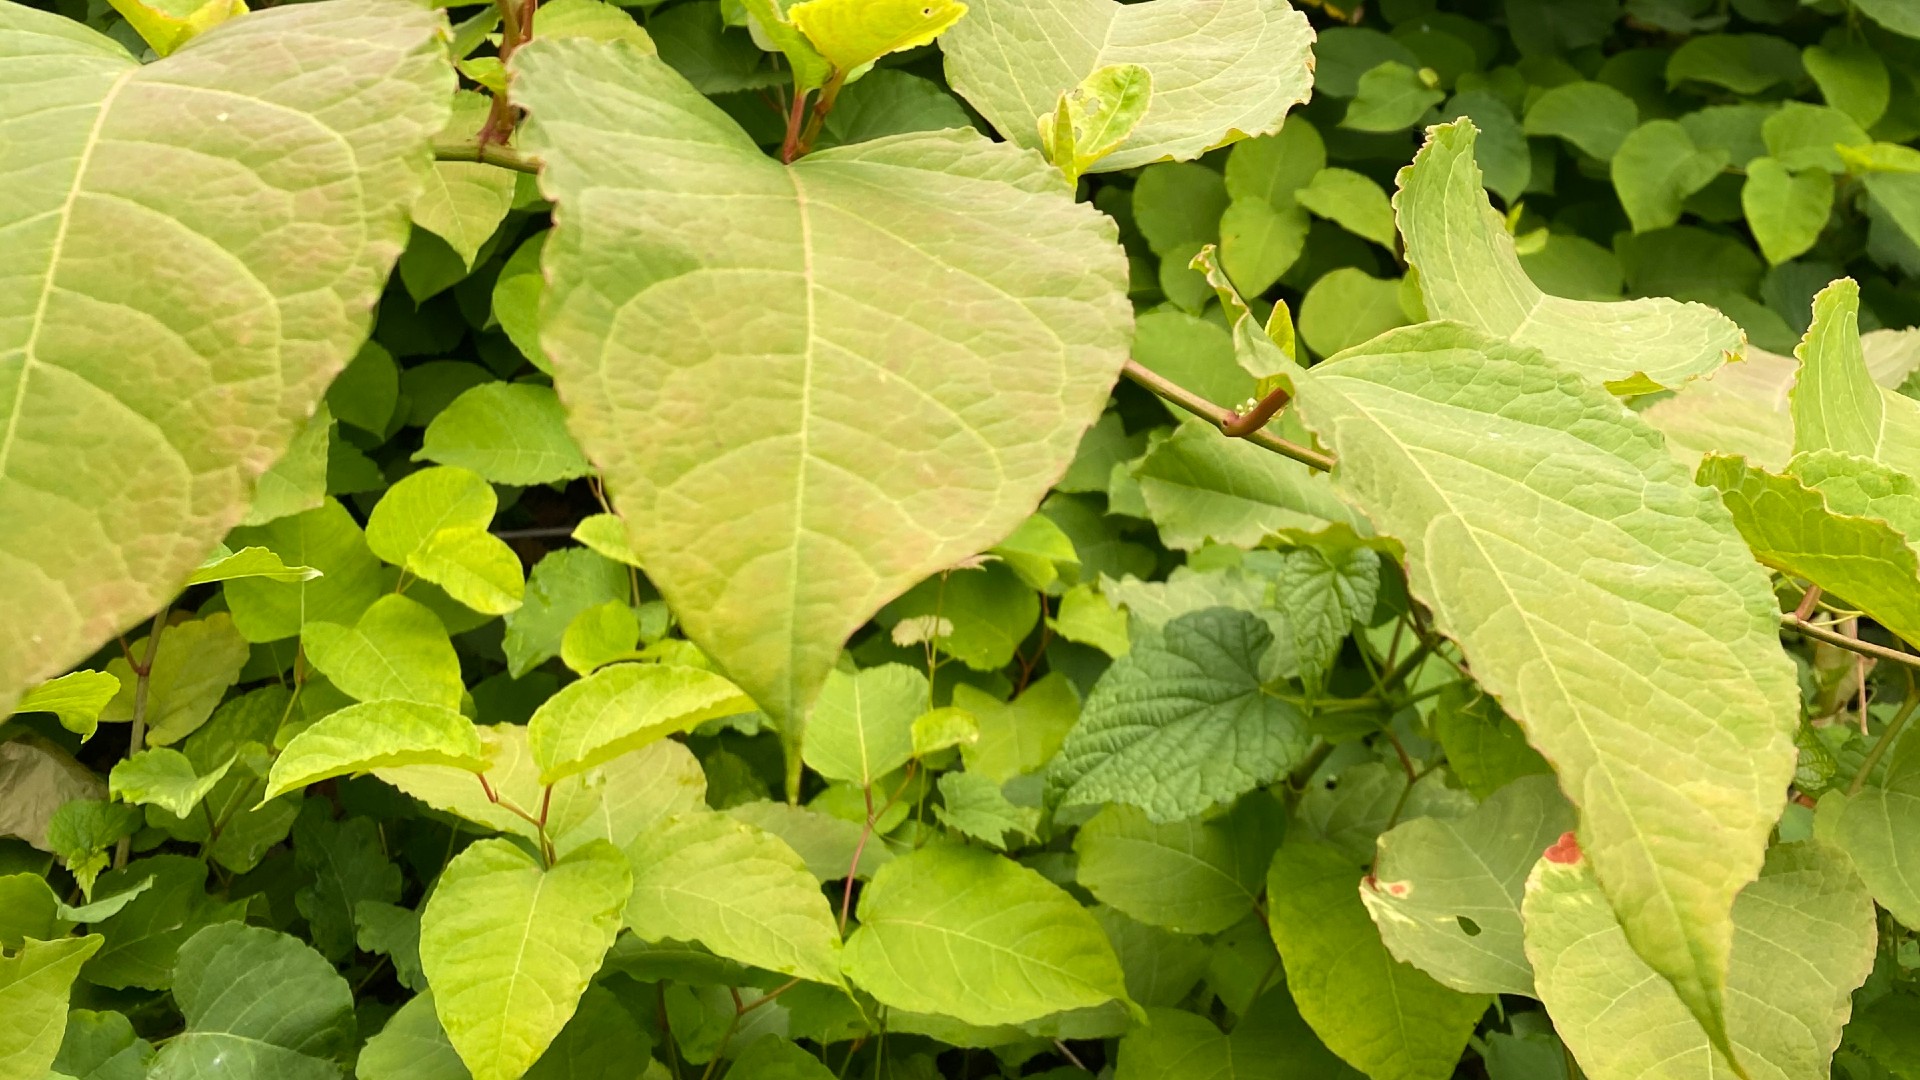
x=1876, y=827
x=377, y=734
x=1606, y=602
x=509, y=946
x=969, y=934
x=1221, y=70
x=622, y=708
x=260, y=1005
x=194, y=249
x=1803, y=940
x=34, y=985
x=1470, y=273
x=1836, y=404
x=930, y=323
x=1445, y=892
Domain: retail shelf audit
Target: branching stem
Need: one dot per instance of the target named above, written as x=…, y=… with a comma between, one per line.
x=487, y=153
x=1790, y=621
x=1223, y=418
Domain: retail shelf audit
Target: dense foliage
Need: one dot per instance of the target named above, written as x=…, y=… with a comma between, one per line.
x=910, y=538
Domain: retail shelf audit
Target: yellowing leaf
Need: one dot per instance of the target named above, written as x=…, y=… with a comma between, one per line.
x=148, y=304
x=774, y=541
x=1094, y=118
x=77, y=698
x=373, y=735
x=1470, y=273
x=398, y=650
x=168, y=24
x=851, y=34
x=621, y=708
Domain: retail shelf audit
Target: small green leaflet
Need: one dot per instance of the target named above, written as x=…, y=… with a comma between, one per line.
x=164, y=777
x=373, y=735
x=622, y=708
x=1095, y=117
x=1470, y=272
x=509, y=947
x=76, y=698
x=195, y=663
x=509, y=433
x=968, y=934
x=1804, y=939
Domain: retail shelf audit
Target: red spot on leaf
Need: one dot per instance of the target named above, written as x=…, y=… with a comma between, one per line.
x=1566, y=850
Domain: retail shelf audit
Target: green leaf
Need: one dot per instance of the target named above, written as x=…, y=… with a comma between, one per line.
x=475, y=567
x=1851, y=76
x=1220, y=71
x=1464, y=449
x=1806, y=136
x=508, y=433
x=28, y=909
x=1327, y=587
x=1392, y=97
x=423, y=504
x=349, y=867
x=1260, y=241
x=1199, y=876
x=563, y=584
x=1470, y=273
x=752, y=536
x=1835, y=403
x=1593, y=116
x=516, y=298
x=622, y=708
x=326, y=539
x=1182, y=722
x=1270, y=1042
x=862, y=726
x=825, y=842
x=1195, y=353
x=1803, y=940
x=607, y=534
x=463, y=202
x=1201, y=488
x=77, y=699
x=778, y=1059
x=1040, y=552
x=367, y=393
x=1742, y=63
x=1445, y=892
x=193, y=316
x=398, y=651
x=969, y=934
x=411, y=1047
x=192, y=668
x=253, y=562
x=987, y=611
x=1346, y=307
x=975, y=806
x=615, y=802
x=373, y=735
x=1352, y=202
x=851, y=34
x=168, y=25
x=144, y=938
x=1485, y=748
x=101, y=1046
x=34, y=983
x=163, y=777
x=509, y=947
x=1785, y=210
x=1095, y=117
x=739, y=891
x=1018, y=737
x=259, y=1006
x=1792, y=527
x=1085, y=616
x=1656, y=168
x=1874, y=828
x=590, y=19
x=601, y=635
x=1383, y=1017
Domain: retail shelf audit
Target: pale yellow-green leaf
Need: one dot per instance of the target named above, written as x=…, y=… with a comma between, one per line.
x=592, y=19
x=377, y=735
x=250, y=562
x=164, y=777
x=508, y=947
x=463, y=202
x=195, y=344
x=601, y=635
x=853, y=33
x=741, y=892
x=1221, y=70
x=607, y=534
x=1470, y=273
x=297, y=482
x=192, y=668
x=422, y=504
x=76, y=698
x=475, y=567
x=862, y=726
x=1803, y=940
x=1836, y=404
x=398, y=650
x=889, y=441
x=34, y=984
x=327, y=539
x=1020, y=736
x=168, y=24
x=1095, y=117
x=622, y=708
x=943, y=729
x=1608, y=604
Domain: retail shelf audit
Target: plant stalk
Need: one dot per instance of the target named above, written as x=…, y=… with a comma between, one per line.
x=137, y=738
x=1223, y=418
x=1790, y=621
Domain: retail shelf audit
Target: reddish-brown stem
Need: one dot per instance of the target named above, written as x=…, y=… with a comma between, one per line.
x=1241, y=425
x=516, y=29
x=1808, y=602
x=1207, y=410
x=853, y=865
x=796, y=115
x=1819, y=632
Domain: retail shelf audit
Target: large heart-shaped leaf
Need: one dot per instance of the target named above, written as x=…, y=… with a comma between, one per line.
x=1470, y=272
x=194, y=248
x=929, y=324
x=1605, y=601
x=1221, y=70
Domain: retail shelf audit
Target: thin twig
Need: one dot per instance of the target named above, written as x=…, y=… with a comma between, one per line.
x=489, y=153
x=1789, y=621
x=1887, y=736
x=1221, y=418
x=549, y=532
x=142, y=682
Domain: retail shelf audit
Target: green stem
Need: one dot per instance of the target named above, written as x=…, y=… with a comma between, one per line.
x=1789, y=621
x=1222, y=418
x=505, y=157
x=1885, y=741
x=136, y=740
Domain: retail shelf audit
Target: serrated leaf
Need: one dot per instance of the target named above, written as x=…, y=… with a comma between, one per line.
x=968, y=934
x=394, y=932
x=195, y=663
x=110, y=159
x=164, y=777
x=1385, y=1018
x=508, y=433
x=509, y=947
x=1803, y=940
x=622, y=708
x=739, y=891
x=1221, y=71
x=1199, y=876
x=862, y=726
x=397, y=651
x=1561, y=593
x=1182, y=722
x=34, y=984
x=1445, y=892
x=1469, y=272
x=375, y=735
x=1835, y=403
x=259, y=1005
x=76, y=698
x=1030, y=294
